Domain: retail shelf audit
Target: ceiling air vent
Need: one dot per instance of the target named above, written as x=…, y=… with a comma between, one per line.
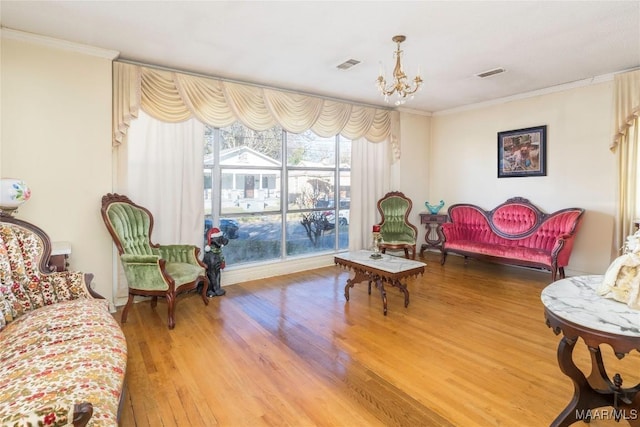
x=492, y=72
x=348, y=64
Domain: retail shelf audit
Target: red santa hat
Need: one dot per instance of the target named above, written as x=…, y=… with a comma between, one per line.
x=213, y=232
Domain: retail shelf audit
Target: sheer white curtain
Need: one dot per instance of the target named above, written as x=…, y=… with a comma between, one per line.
x=370, y=180
x=165, y=176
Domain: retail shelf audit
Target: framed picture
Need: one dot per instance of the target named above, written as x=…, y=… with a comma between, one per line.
x=522, y=152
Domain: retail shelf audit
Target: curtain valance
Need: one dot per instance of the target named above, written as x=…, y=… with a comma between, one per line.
x=175, y=97
x=626, y=103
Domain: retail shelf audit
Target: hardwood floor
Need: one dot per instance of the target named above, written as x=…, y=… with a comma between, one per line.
x=472, y=349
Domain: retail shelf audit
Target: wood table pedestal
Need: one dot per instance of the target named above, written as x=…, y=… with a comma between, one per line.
x=573, y=308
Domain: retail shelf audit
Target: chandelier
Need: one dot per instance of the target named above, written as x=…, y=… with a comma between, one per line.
x=400, y=85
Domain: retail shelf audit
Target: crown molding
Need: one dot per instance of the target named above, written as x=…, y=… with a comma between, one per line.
x=10, y=34
x=553, y=89
x=412, y=111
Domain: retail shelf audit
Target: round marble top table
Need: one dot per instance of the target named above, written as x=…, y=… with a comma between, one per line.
x=573, y=307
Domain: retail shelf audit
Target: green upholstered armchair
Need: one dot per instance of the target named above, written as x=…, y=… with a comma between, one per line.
x=151, y=270
x=395, y=229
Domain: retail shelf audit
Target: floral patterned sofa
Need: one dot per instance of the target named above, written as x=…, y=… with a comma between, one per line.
x=63, y=356
x=516, y=232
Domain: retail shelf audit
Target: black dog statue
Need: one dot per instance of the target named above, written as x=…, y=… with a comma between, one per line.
x=214, y=260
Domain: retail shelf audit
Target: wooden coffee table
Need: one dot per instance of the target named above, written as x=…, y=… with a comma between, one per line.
x=388, y=269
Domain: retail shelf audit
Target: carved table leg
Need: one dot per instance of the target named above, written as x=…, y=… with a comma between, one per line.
x=596, y=392
x=404, y=290
x=360, y=276
x=580, y=384
x=349, y=284
x=598, y=379
x=383, y=294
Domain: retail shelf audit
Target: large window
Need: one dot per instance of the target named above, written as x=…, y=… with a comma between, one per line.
x=275, y=194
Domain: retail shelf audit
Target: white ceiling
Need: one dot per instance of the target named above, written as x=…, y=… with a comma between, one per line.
x=297, y=45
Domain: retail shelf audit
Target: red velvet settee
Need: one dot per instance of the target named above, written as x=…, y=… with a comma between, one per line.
x=516, y=232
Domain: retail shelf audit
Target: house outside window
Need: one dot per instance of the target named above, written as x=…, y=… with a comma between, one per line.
x=272, y=209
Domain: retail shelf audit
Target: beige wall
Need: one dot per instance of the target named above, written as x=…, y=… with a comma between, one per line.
x=413, y=165
x=56, y=127
x=56, y=103
x=580, y=171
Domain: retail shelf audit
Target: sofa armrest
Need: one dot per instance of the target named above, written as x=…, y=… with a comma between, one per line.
x=562, y=249
x=452, y=232
x=145, y=272
x=88, y=277
x=55, y=415
x=65, y=285
x=82, y=413
x=565, y=223
x=180, y=253
x=447, y=231
x=140, y=259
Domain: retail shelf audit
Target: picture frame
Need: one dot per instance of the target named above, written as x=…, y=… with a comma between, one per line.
x=522, y=152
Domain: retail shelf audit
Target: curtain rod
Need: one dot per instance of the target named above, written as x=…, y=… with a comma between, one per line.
x=191, y=73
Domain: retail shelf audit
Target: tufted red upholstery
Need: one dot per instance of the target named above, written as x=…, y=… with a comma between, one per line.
x=516, y=232
x=514, y=219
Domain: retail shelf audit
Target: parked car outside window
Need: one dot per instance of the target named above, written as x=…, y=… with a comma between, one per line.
x=343, y=213
x=228, y=226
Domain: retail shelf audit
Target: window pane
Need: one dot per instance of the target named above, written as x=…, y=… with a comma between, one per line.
x=310, y=150
x=345, y=152
x=342, y=226
x=310, y=189
x=251, y=238
x=250, y=191
x=243, y=192
x=209, y=141
x=309, y=232
x=208, y=192
x=241, y=146
x=345, y=189
x=343, y=229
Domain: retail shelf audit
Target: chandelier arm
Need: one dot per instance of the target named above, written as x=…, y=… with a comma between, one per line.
x=414, y=90
x=399, y=85
x=388, y=91
x=401, y=88
x=384, y=89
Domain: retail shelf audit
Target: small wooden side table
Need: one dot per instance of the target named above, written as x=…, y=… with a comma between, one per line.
x=433, y=224
x=60, y=252
x=572, y=307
